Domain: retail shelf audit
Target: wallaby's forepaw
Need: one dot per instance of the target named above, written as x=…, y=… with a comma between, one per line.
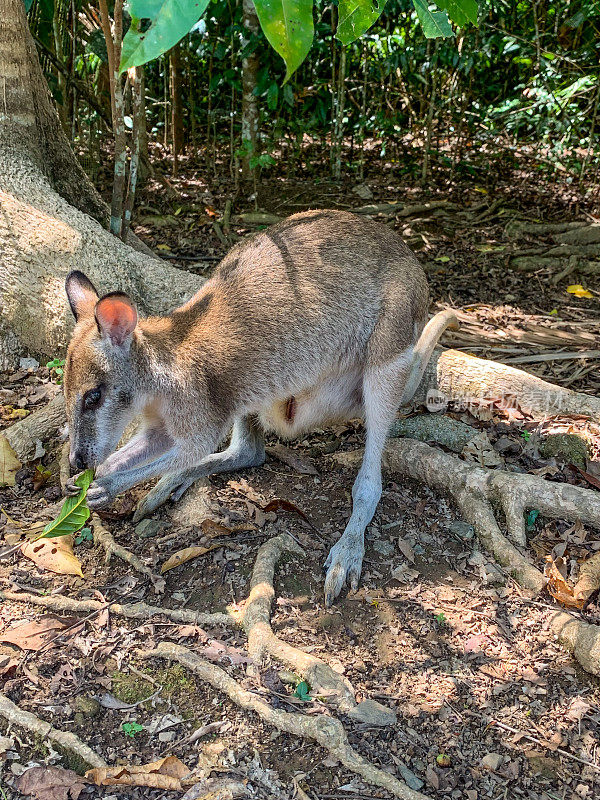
x=168, y=486
x=343, y=564
x=98, y=496
x=71, y=487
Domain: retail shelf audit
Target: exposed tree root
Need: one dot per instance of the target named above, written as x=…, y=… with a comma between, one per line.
x=475, y=490
x=105, y=539
x=580, y=638
x=261, y=639
x=463, y=377
x=141, y=611
x=327, y=731
x=64, y=739
x=40, y=425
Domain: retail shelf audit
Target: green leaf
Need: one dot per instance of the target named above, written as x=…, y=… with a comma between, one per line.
x=303, y=692
x=85, y=535
x=74, y=512
x=355, y=17
x=170, y=21
x=434, y=23
x=531, y=518
x=460, y=12
x=131, y=728
x=288, y=26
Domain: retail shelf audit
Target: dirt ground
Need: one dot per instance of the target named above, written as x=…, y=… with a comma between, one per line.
x=488, y=704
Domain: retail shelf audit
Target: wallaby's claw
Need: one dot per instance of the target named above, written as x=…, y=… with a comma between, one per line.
x=343, y=564
x=71, y=487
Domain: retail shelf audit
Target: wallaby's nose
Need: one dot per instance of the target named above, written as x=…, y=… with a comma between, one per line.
x=77, y=461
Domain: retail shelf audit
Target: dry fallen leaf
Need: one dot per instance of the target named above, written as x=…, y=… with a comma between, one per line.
x=55, y=555
x=558, y=587
x=212, y=529
x=480, y=451
x=34, y=635
x=578, y=290
x=50, y=783
x=186, y=555
x=292, y=459
x=279, y=504
x=166, y=774
x=9, y=463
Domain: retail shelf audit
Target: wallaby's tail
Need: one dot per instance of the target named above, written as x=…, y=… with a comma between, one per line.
x=425, y=347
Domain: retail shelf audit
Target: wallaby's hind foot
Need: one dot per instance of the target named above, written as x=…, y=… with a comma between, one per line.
x=343, y=565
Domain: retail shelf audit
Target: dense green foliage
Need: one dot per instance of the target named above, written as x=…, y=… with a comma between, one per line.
x=528, y=73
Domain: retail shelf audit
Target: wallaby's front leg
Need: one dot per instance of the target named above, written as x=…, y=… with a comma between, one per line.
x=246, y=449
x=144, y=446
x=104, y=489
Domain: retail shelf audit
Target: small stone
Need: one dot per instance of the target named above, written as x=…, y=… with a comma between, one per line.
x=492, y=761
x=383, y=546
x=372, y=713
x=148, y=528
x=462, y=529
x=28, y=363
x=166, y=736
x=409, y=777
x=88, y=706
x=52, y=493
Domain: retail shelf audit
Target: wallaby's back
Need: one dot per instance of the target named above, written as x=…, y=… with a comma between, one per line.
x=302, y=299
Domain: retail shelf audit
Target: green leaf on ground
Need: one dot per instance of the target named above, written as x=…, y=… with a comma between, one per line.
x=303, y=691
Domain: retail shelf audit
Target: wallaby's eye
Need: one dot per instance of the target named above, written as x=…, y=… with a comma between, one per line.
x=92, y=398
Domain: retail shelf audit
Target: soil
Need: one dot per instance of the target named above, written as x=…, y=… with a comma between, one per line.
x=436, y=632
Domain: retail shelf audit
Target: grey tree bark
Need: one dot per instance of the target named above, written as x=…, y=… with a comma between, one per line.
x=51, y=217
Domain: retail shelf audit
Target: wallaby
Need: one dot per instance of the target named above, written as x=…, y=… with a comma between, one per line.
x=319, y=318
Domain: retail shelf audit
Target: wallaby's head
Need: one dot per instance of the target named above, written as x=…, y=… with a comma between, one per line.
x=99, y=380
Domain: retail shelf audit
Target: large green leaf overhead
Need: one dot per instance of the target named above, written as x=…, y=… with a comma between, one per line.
x=170, y=20
x=355, y=17
x=435, y=24
x=461, y=12
x=288, y=26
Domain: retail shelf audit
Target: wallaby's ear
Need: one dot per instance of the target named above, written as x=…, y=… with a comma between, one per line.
x=81, y=293
x=116, y=317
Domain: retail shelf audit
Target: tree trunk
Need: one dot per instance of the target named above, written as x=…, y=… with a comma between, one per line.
x=176, y=105
x=250, y=66
x=43, y=230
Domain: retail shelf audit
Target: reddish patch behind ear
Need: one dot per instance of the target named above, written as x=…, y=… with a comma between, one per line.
x=116, y=317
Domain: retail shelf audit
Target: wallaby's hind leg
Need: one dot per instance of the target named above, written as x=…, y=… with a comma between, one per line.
x=382, y=391
x=246, y=449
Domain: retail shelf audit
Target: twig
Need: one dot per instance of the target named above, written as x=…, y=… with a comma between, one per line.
x=261, y=639
x=65, y=739
x=106, y=540
x=327, y=731
x=141, y=611
x=510, y=729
